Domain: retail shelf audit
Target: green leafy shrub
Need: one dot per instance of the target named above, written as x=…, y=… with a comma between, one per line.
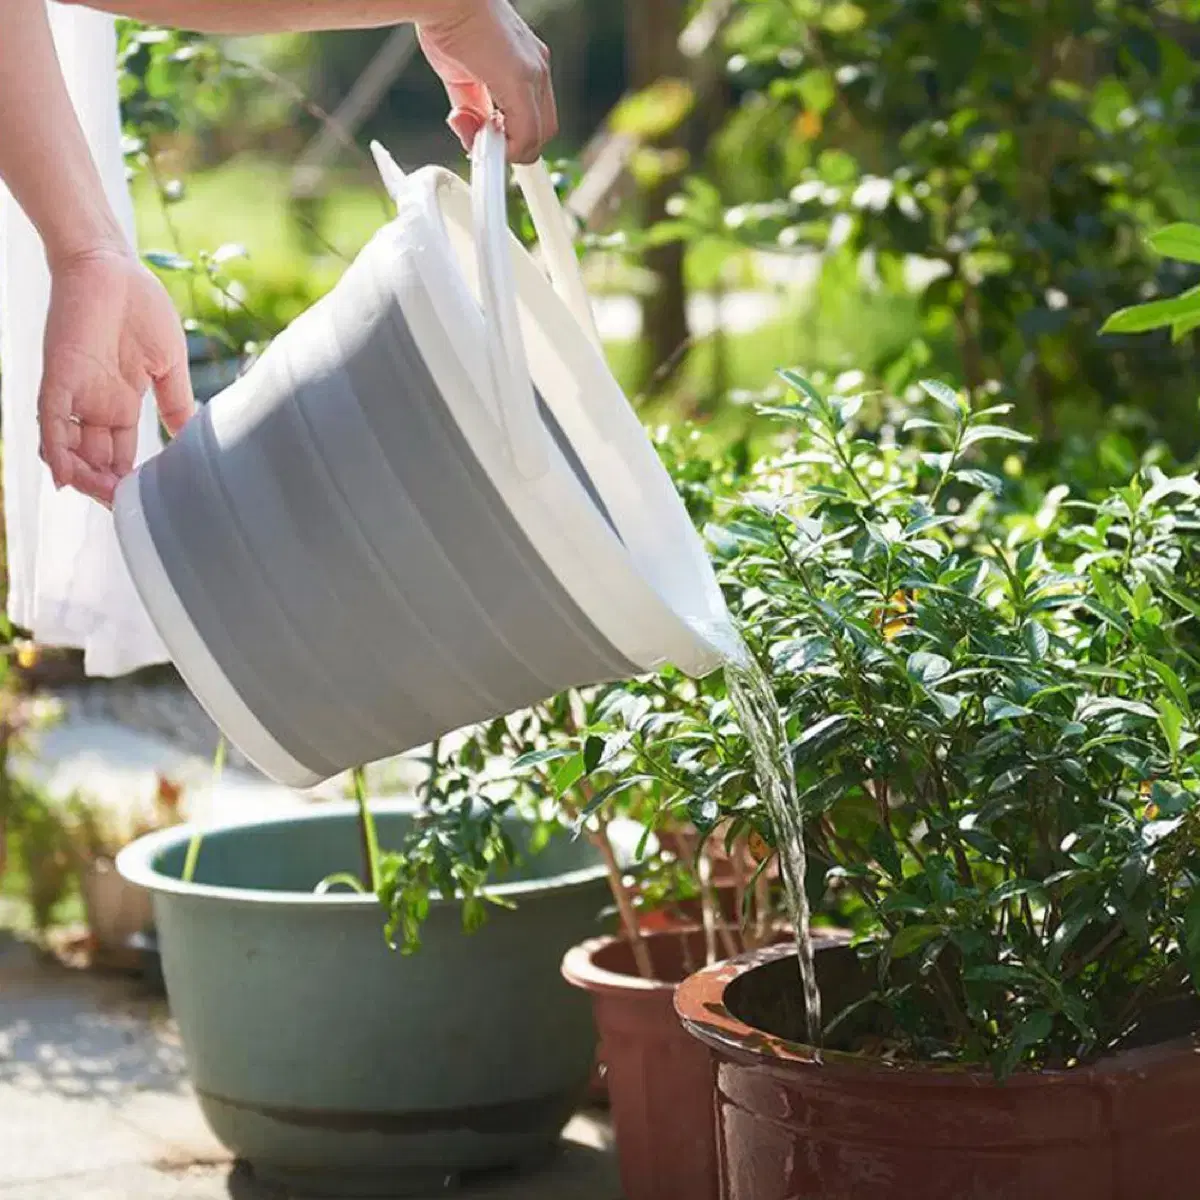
x=1016, y=147
x=991, y=717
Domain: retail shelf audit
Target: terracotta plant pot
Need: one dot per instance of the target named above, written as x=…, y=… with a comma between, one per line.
x=688, y=914
x=116, y=910
x=659, y=1079
x=791, y=1127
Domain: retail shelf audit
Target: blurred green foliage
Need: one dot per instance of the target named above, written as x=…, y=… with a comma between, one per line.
x=1021, y=147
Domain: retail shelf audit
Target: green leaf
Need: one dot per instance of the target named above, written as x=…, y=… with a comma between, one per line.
x=1028, y=1033
x=1066, y=935
x=1106, y=614
x=829, y=493
x=945, y=395
x=1012, y=889
x=883, y=850
x=1191, y=937
x=1188, y=605
x=911, y=938
x=340, y=879
x=817, y=89
x=1009, y=779
x=1180, y=241
x=1141, y=318
x=1036, y=639
x=998, y=973
x=569, y=774
x=613, y=789
x=166, y=260
x=536, y=758
x=798, y=383
x=1075, y=1010
x=653, y=112
x=992, y=433
x=997, y=708
x=1171, y=721
x=1099, y=705
x=593, y=752
x=1172, y=682
x=929, y=521
x=817, y=736
x=927, y=668
x=1181, y=328
x=984, y=480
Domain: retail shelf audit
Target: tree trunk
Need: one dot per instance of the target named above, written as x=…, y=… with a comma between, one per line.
x=652, y=52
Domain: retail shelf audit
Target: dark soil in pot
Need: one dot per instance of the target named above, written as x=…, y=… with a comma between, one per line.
x=793, y=1127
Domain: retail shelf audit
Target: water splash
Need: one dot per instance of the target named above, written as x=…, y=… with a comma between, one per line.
x=758, y=713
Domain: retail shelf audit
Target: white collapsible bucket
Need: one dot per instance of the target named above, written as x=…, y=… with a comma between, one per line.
x=427, y=504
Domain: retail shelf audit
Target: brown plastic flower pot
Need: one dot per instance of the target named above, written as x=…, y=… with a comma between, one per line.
x=792, y=1128
x=659, y=1079
x=679, y=915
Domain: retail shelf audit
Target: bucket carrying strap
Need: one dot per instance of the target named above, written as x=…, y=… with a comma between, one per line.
x=528, y=439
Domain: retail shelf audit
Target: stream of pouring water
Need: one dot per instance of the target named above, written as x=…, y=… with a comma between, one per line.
x=753, y=699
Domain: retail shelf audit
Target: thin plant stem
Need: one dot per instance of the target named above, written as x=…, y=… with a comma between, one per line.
x=193, y=850
x=685, y=949
x=624, y=903
x=762, y=908
x=738, y=861
x=431, y=781
x=616, y=882
x=367, y=832
x=708, y=916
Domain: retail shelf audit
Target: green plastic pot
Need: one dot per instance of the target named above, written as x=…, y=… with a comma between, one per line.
x=338, y=1066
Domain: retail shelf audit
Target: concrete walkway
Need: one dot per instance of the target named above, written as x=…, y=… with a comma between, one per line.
x=95, y=1104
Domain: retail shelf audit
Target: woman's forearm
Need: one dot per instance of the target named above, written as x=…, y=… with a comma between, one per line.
x=47, y=166
x=275, y=16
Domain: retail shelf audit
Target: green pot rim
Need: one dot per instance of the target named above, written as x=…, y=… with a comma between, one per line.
x=136, y=864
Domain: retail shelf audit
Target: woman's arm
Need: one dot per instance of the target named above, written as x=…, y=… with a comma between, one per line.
x=482, y=49
x=111, y=331
x=273, y=16
x=44, y=156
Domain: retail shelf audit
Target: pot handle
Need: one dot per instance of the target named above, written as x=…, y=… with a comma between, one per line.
x=508, y=364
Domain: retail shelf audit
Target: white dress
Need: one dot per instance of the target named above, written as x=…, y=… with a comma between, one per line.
x=67, y=583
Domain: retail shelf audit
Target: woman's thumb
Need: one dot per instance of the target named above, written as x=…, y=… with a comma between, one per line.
x=466, y=123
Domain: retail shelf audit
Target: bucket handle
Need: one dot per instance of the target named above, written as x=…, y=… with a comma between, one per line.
x=508, y=363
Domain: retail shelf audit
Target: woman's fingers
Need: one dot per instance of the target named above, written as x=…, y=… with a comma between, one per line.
x=100, y=485
x=470, y=106
x=489, y=58
x=173, y=392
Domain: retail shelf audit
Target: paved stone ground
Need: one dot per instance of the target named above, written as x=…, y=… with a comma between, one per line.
x=95, y=1104
x=114, y=735
x=94, y=1098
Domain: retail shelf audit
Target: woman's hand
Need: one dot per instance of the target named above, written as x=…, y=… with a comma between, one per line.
x=111, y=334
x=489, y=58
